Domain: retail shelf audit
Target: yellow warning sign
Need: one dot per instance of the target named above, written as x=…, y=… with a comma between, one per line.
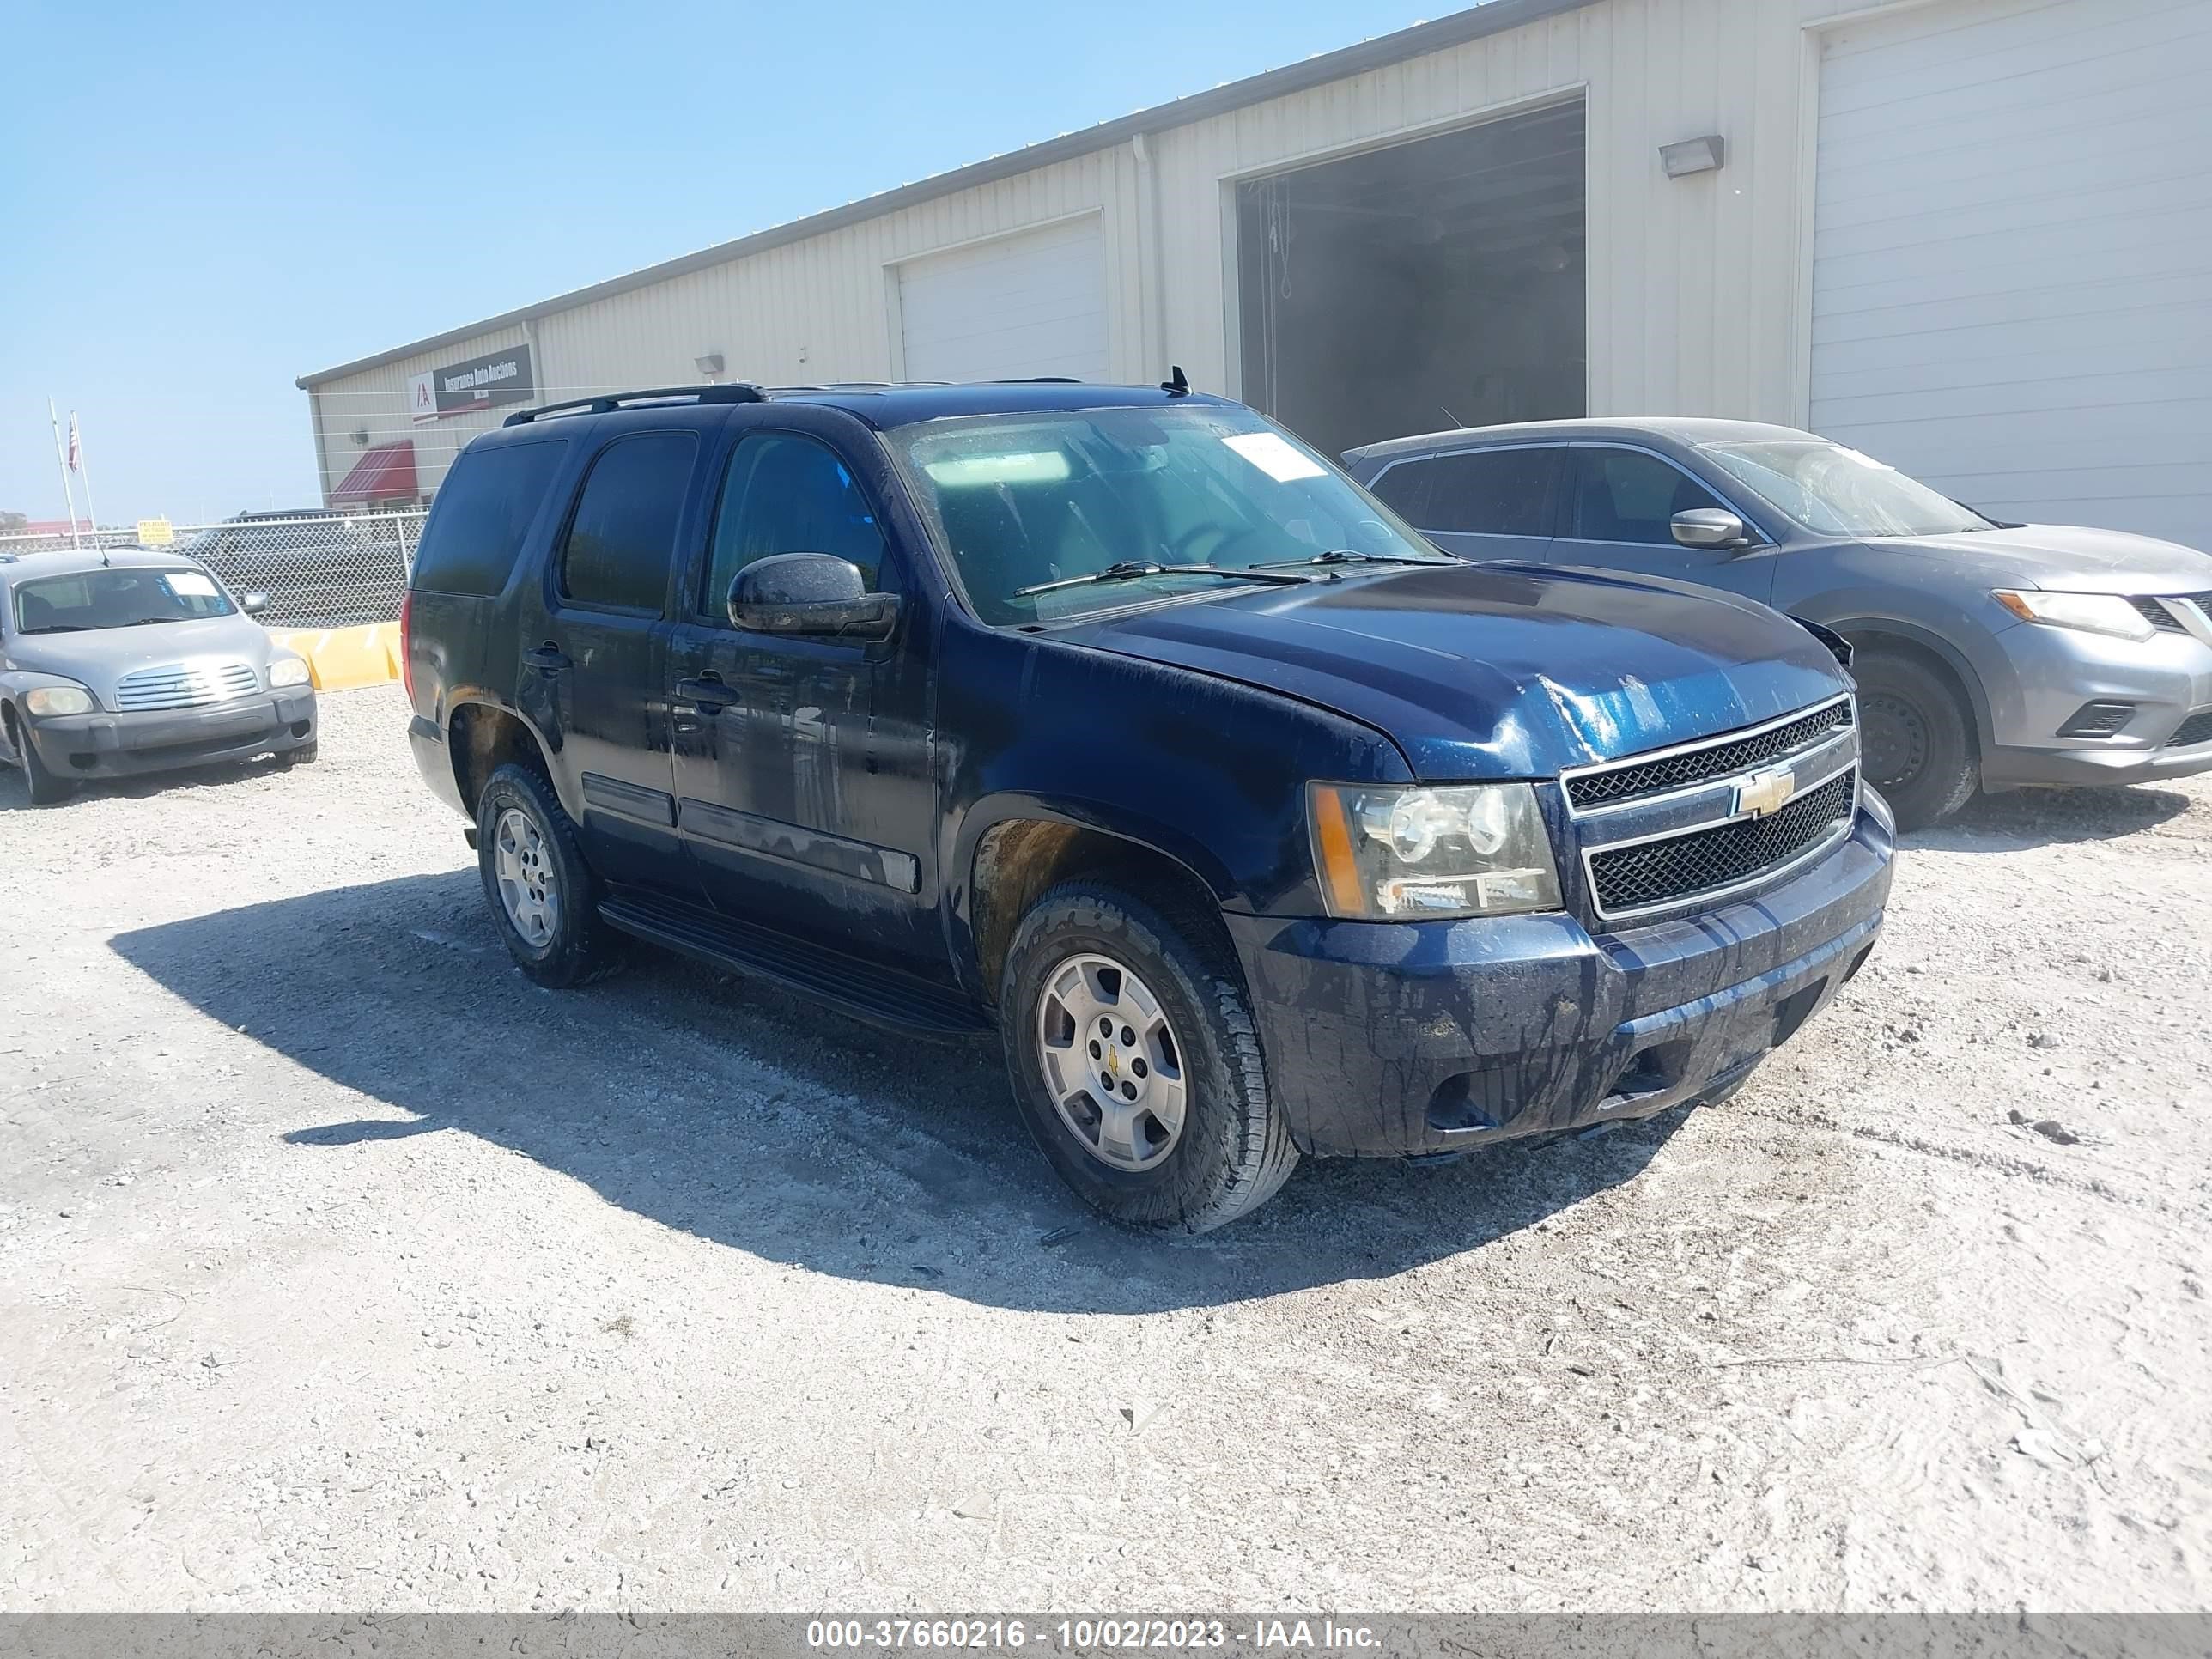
x=155, y=533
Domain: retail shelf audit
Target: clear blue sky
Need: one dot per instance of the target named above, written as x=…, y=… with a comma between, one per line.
x=201, y=203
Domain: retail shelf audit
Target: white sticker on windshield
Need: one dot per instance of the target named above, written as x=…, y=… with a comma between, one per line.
x=1273, y=455
x=188, y=584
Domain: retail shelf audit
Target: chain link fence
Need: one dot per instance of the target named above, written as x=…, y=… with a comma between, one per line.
x=319, y=570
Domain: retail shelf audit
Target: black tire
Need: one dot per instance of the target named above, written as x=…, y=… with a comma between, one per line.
x=1233, y=1149
x=1916, y=738
x=303, y=755
x=579, y=947
x=45, y=789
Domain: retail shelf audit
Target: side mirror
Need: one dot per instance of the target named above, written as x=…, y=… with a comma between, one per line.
x=810, y=593
x=254, y=602
x=1709, y=526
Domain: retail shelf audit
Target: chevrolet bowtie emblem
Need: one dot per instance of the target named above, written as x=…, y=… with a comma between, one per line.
x=1766, y=791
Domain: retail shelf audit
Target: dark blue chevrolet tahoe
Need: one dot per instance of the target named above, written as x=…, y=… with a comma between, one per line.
x=1120, y=721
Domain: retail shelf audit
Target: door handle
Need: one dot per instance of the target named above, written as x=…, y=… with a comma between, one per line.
x=706, y=693
x=549, y=657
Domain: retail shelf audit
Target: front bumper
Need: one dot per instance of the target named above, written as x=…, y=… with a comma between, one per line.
x=2055, y=670
x=1426, y=1038
x=106, y=745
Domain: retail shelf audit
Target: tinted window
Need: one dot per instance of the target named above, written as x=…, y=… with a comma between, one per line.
x=483, y=509
x=622, y=539
x=1497, y=492
x=784, y=494
x=1621, y=496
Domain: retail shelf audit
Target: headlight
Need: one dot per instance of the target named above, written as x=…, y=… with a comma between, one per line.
x=1412, y=852
x=2093, y=613
x=59, y=700
x=288, y=670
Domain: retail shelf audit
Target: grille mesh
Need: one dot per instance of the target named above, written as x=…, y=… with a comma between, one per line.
x=2197, y=728
x=1661, y=872
x=186, y=685
x=1651, y=777
x=2157, y=615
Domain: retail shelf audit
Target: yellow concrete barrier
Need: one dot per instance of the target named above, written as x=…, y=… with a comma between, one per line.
x=340, y=659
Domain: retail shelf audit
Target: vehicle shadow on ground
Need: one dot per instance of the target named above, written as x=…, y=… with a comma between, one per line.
x=15, y=789
x=743, y=1115
x=2044, y=817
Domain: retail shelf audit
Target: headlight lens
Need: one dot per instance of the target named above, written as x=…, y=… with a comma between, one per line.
x=1416, y=853
x=288, y=670
x=2092, y=613
x=59, y=700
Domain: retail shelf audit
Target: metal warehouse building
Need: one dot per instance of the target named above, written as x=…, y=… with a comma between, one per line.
x=1972, y=237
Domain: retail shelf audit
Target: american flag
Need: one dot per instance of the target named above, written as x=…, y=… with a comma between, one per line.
x=76, y=455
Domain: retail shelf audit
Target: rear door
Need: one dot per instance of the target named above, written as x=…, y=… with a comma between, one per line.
x=805, y=794
x=593, y=674
x=1619, y=514
x=1499, y=502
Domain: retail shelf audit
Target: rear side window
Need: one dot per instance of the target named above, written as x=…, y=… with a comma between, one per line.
x=785, y=494
x=1495, y=492
x=622, y=539
x=1622, y=495
x=483, y=510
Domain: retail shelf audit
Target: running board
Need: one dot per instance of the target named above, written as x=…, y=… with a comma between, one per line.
x=881, y=995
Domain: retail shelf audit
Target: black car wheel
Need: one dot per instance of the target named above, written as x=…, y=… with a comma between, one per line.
x=45, y=789
x=543, y=895
x=1916, y=740
x=1133, y=1057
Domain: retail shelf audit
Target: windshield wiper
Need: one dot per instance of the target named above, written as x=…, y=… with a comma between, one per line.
x=1130, y=570
x=59, y=627
x=1353, y=555
x=148, y=622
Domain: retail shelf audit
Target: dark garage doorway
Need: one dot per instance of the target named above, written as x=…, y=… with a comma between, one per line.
x=1434, y=283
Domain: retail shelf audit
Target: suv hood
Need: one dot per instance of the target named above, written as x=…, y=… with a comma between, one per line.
x=102, y=656
x=1497, y=671
x=2069, y=557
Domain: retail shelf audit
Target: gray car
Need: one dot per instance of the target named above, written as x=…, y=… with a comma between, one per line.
x=1988, y=654
x=138, y=660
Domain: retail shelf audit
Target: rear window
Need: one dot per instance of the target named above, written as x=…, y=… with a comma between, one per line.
x=1492, y=492
x=482, y=512
x=622, y=539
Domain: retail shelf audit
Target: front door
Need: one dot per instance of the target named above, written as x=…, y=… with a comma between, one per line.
x=593, y=670
x=804, y=790
x=1620, y=515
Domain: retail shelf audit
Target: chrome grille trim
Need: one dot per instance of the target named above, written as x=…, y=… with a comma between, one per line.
x=1836, y=833
x=186, y=685
x=1847, y=728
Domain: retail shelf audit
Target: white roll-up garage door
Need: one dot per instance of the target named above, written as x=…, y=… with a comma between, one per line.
x=1032, y=303
x=2012, y=276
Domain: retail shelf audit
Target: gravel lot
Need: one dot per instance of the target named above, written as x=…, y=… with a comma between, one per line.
x=342, y=1267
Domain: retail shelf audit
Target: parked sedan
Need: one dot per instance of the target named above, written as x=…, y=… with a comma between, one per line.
x=1989, y=655
x=137, y=660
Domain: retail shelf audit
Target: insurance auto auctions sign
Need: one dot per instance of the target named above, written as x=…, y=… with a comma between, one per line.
x=503, y=377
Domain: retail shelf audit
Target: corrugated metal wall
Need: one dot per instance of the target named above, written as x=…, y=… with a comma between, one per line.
x=1697, y=297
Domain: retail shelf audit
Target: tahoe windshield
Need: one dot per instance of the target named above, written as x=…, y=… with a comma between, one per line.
x=1839, y=492
x=1058, y=513
x=123, y=597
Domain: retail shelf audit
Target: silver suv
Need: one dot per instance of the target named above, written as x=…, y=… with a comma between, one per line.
x=138, y=660
x=1989, y=654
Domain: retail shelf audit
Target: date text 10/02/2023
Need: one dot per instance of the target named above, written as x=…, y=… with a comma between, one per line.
x=1289, y=1635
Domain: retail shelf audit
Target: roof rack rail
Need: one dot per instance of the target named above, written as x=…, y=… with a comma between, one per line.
x=1039, y=380
x=740, y=391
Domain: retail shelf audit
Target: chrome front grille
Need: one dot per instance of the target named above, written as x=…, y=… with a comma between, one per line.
x=1692, y=824
x=186, y=685
x=1694, y=764
x=1655, y=875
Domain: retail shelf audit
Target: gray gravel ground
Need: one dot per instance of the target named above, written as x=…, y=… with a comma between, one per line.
x=342, y=1267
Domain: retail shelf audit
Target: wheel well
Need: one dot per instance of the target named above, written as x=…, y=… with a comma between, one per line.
x=483, y=739
x=1896, y=645
x=1018, y=860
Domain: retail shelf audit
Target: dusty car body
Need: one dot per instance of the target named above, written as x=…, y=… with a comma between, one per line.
x=1989, y=655
x=135, y=660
